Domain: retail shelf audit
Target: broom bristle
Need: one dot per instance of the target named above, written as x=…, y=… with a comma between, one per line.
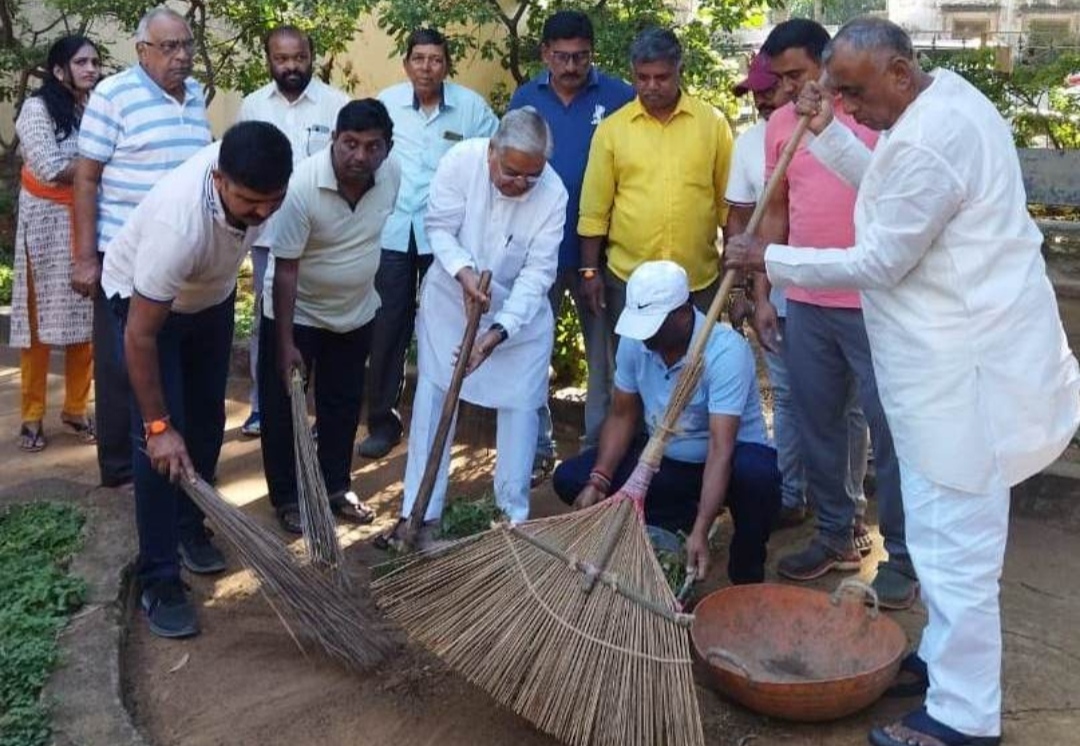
x=328, y=614
x=316, y=519
x=589, y=668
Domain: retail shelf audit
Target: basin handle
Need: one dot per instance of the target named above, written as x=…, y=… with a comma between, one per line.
x=863, y=589
x=730, y=659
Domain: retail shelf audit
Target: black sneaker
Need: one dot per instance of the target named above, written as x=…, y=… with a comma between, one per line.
x=200, y=556
x=376, y=446
x=168, y=610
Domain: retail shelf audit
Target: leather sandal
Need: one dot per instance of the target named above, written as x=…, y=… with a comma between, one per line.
x=919, y=729
x=82, y=426
x=349, y=507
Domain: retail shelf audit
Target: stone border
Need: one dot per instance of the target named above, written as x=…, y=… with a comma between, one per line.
x=85, y=692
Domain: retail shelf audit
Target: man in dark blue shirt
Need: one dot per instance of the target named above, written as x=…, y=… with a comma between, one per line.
x=573, y=97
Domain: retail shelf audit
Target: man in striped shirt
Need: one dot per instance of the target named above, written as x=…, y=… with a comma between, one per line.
x=139, y=125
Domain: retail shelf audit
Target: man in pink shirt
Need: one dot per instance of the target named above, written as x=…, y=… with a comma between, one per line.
x=826, y=346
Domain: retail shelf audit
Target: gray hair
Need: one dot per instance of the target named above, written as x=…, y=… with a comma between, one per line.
x=142, y=33
x=656, y=45
x=524, y=130
x=869, y=33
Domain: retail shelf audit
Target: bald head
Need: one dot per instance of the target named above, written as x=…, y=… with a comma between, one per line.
x=870, y=64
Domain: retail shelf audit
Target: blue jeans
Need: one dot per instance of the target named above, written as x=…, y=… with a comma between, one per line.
x=753, y=497
x=193, y=363
x=599, y=356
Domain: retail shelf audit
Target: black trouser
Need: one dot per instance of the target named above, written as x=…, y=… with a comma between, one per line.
x=112, y=396
x=335, y=363
x=753, y=497
x=398, y=282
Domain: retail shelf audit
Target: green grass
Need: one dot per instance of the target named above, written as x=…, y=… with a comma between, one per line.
x=36, y=598
x=465, y=517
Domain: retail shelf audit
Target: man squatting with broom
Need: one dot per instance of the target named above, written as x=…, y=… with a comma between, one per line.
x=720, y=454
x=972, y=363
x=170, y=278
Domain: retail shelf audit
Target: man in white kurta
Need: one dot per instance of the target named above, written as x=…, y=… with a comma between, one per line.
x=494, y=205
x=972, y=363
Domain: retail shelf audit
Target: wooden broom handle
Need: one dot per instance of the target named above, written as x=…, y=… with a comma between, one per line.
x=431, y=469
x=691, y=375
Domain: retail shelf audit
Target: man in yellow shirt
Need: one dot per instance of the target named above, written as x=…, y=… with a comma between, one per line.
x=654, y=186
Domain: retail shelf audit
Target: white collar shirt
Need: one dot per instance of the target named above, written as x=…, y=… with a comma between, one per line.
x=972, y=363
x=178, y=247
x=308, y=121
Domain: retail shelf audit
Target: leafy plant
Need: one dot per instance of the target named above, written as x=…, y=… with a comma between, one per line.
x=463, y=517
x=568, y=355
x=36, y=597
x=7, y=280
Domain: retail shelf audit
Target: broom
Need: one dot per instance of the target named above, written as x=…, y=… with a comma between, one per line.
x=310, y=602
x=610, y=665
x=316, y=518
x=415, y=520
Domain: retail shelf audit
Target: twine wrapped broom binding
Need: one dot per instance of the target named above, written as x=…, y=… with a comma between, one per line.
x=316, y=518
x=309, y=602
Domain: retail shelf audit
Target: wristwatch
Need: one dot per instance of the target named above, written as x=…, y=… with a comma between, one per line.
x=156, y=427
x=500, y=330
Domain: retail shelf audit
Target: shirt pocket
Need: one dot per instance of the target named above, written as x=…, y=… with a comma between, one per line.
x=509, y=261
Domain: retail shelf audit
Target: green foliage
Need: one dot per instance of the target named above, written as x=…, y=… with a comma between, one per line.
x=568, y=356
x=510, y=32
x=244, y=314
x=36, y=597
x=463, y=518
x=7, y=280
x=834, y=12
x=1031, y=97
x=228, y=36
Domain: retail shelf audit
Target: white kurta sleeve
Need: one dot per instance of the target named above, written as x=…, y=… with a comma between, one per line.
x=920, y=192
x=842, y=152
x=446, y=212
x=530, y=289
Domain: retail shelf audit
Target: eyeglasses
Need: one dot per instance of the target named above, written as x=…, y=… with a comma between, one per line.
x=578, y=58
x=172, y=46
x=528, y=179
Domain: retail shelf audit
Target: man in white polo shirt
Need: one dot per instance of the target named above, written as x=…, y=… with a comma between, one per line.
x=170, y=280
x=305, y=109
x=321, y=299
x=139, y=125
x=430, y=116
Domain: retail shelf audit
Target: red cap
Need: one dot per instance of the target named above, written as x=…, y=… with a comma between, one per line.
x=759, y=77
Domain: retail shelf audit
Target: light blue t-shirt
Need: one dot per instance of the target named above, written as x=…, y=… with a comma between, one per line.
x=728, y=386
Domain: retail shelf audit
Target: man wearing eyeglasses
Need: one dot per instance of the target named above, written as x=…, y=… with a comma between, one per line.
x=574, y=97
x=139, y=125
x=430, y=116
x=305, y=109
x=495, y=205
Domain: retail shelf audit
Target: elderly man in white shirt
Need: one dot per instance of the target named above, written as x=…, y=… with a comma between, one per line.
x=495, y=205
x=305, y=109
x=972, y=363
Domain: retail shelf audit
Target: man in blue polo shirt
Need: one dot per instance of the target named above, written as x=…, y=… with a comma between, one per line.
x=573, y=97
x=720, y=455
x=430, y=116
x=139, y=125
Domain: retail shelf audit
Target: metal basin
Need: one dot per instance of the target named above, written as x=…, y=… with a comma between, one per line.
x=795, y=653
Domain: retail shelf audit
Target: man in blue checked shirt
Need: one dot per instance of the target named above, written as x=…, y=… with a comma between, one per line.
x=573, y=96
x=139, y=125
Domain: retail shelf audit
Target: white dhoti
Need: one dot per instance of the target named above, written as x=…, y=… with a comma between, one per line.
x=957, y=544
x=515, y=443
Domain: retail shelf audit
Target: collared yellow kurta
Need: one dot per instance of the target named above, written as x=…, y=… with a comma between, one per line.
x=656, y=189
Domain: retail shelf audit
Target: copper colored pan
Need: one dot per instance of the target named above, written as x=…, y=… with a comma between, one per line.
x=795, y=653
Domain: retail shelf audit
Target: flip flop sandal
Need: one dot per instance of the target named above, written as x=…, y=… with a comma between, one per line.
x=348, y=507
x=919, y=729
x=82, y=427
x=864, y=543
x=389, y=540
x=912, y=680
x=32, y=440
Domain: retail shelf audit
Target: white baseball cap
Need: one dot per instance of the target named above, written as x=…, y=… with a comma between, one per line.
x=654, y=290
